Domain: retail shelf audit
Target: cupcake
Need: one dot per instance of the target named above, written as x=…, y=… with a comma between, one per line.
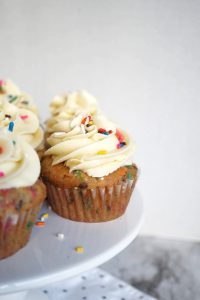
x=17, y=107
x=21, y=193
x=88, y=169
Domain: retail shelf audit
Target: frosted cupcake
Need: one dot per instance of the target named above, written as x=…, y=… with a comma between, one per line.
x=21, y=193
x=88, y=169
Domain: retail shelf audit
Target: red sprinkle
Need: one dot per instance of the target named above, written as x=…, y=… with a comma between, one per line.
x=2, y=174
x=24, y=117
x=1, y=150
x=109, y=131
x=101, y=130
x=84, y=119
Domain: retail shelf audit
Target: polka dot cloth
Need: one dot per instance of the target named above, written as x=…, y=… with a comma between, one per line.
x=94, y=285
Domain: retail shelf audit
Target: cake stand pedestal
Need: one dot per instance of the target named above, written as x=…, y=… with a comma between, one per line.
x=48, y=259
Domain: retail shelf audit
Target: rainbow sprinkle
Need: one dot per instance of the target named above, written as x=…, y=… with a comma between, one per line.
x=119, y=135
x=84, y=120
x=12, y=98
x=24, y=117
x=11, y=126
x=2, y=82
x=102, y=152
x=104, y=131
x=40, y=224
x=2, y=86
x=79, y=249
x=2, y=174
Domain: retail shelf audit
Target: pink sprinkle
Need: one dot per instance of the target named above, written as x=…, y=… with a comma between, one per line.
x=119, y=136
x=2, y=174
x=24, y=117
x=118, y=146
x=2, y=82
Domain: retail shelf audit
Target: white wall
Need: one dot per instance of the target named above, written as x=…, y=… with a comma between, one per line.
x=142, y=61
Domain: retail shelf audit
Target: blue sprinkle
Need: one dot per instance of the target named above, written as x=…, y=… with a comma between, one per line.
x=11, y=126
x=106, y=133
x=122, y=144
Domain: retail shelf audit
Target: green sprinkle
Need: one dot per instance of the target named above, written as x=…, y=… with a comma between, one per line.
x=29, y=225
x=129, y=176
x=12, y=98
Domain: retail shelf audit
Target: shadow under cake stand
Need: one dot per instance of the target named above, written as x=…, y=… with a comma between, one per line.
x=47, y=259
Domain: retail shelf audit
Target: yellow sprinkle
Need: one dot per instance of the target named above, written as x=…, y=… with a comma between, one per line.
x=45, y=216
x=79, y=249
x=91, y=123
x=102, y=152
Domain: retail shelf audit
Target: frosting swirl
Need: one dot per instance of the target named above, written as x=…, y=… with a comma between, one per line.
x=19, y=163
x=92, y=144
x=64, y=108
x=26, y=123
x=12, y=94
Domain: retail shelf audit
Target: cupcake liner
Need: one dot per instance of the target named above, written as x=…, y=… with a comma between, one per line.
x=15, y=230
x=91, y=205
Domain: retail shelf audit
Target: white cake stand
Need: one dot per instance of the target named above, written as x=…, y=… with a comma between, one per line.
x=47, y=259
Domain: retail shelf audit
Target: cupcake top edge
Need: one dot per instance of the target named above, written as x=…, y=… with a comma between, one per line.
x=19, y=163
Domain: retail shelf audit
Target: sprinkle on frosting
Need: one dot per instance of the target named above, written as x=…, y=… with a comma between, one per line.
x=119, y=135
x=102, y=152
x=2, y=86
x=24, y=117
x=2, y=174
x=11, y=126
x=12, y=98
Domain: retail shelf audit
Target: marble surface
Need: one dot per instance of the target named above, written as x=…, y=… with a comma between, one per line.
x=165, y=269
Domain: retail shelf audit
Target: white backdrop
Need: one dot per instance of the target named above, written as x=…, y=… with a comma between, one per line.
x=141, y=59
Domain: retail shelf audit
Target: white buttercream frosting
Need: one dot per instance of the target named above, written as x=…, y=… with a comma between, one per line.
x=10, y=92
x=26, y=123
x=19, y=163
x=65, y=107
x=80, y=145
